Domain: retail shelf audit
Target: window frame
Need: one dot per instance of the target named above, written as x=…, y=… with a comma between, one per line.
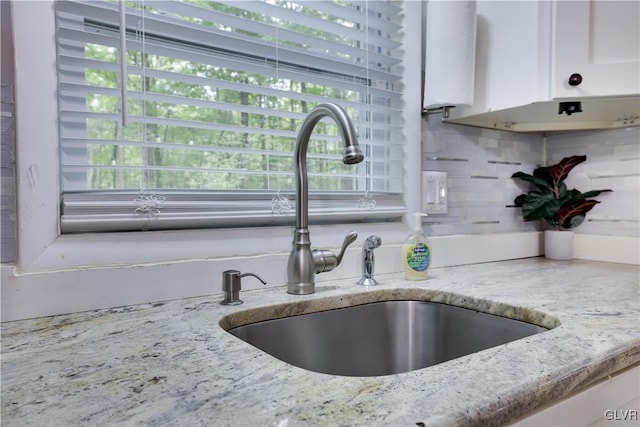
x=41, y=247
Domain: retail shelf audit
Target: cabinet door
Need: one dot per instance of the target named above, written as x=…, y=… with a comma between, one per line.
x=611, y=402
x=600, y=41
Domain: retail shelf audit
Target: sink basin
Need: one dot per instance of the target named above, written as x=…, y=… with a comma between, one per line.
x=381, y=338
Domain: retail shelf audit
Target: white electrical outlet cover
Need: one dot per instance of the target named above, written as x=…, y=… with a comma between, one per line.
x=434, y=192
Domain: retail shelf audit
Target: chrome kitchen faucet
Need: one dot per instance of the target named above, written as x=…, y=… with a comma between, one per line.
x=305, y=263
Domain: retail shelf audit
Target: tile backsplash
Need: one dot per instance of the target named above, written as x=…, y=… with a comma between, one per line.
x=479, y=164
x=613, y=162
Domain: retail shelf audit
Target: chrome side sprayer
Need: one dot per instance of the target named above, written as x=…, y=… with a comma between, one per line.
x=368, y=261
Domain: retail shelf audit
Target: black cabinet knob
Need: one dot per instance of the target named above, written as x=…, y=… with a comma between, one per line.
x=575, y=79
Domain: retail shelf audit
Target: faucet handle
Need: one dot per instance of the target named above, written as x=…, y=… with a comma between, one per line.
x=348, y=239
x=326, y=260
x=231, y=286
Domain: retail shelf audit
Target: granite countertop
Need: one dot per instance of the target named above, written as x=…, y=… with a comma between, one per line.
x=172, y=363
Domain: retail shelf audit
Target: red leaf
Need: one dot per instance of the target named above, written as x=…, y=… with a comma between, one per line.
x=575, y=209
x=562, y=169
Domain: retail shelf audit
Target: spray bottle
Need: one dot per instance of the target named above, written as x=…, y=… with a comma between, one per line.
x=416, y=252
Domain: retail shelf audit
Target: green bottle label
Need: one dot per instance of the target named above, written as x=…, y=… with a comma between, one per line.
x=419, y=257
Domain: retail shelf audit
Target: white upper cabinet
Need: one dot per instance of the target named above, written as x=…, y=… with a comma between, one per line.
x=528, y=51
x=600, y=42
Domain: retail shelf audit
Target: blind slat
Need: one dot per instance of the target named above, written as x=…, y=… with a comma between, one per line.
x=239, y=87
x=216, y=92
x=201, y=35
x=350, y=13
x=199, y=54
x=79, y=143
x=282, y=33
x=68, y=116
x=75, y=90
x=311, y=21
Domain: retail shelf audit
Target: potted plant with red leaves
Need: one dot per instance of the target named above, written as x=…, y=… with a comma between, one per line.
x=553, y=202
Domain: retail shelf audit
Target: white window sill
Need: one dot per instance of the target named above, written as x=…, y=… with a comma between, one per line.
x=125, y=282
x=86, y=251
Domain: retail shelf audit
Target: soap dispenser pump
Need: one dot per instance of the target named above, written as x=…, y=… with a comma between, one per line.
x=416, y=251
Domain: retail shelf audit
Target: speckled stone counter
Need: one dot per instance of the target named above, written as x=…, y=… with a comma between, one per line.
x=173, y=364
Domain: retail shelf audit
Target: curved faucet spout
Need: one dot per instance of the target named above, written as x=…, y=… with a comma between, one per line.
x=303, y=262
x=352, y=153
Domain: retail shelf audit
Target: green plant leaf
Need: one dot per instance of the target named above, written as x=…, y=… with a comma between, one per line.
x=573, y=221
x=564, y=194
x=554, y=202
x=541, y=183
x=543, y=172
x=518, y=201
x=540, y=205
x=594, y=193
x=570, y=197
x=575, y=196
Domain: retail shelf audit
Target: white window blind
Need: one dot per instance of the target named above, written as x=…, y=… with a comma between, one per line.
x=215, y=93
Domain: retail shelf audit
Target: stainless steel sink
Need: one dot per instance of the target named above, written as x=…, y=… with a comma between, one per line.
x=381, y=338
